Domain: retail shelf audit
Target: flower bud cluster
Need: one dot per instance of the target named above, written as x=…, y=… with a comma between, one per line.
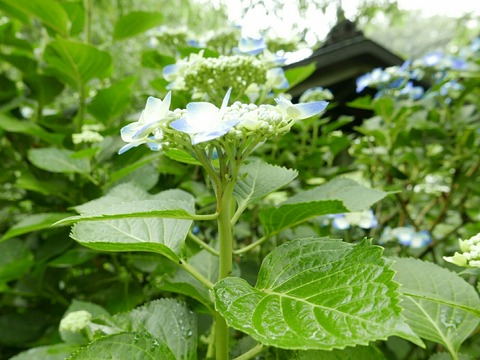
x=470, y=253
x=209, y=74
x=89, y=134
x=316, y=94
x=169, y=38
x=223, y=41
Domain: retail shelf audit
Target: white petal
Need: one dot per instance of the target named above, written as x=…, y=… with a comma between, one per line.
x=226, y=98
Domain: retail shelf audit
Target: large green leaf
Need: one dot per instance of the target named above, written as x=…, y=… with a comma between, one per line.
x=58, y=160
x=130, y=201
x=16, y=259
x=152, y=233
x=29, y=127
x=258, y=179
x=49, y=12
x=153, y=59
x=349, y=353
x=337, y=196
x=111, y=102
x=125, y=346
x=43, y=88
x=438, y=304
x=298, y=74
x=136, y=22
x=167, y=320
x=76, y=63
x=50, y=352
x=314, y=294
x=33, y=223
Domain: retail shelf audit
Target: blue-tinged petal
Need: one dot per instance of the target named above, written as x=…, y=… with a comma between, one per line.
x=302, y=110
x=169, y=72
x=340, y=222
x=251, y=46
x=154, y=146
x=276, y=78
x=129, y=146
x=182, y=125
x=127, y=132
x=221, y=129
x=145, y=130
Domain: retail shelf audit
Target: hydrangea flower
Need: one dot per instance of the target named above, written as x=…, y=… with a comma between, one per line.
x=407, y=236
x=137, y=133
x=276, y=78
x=300, y=111
x=204, y=121
x=251, y=45
x=365, y=219
x=315, y=94
x=470, y=253
x=441, y=61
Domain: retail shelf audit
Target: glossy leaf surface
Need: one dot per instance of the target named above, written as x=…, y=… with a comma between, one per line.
x=155, y=234
x=314, y=294
x=168, y=320
x=439, y=305
x=125, y=346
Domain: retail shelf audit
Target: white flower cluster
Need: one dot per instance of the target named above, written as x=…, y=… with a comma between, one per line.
x=470, y=253
x=201, y=122
x=89, y=134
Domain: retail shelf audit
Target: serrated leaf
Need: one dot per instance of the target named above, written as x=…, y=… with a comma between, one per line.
x=58, y=160
x=33, y=223
x=316, y=294
x=337, y=196
x=130, y=201
x=49, y=12
x=50, y=352
x=438, y=304
x=167, y=320
x=76, y=63
x=121, y=233
x=184, y=283
x=136, y=22
x=125, y=346
x=258, y=179
x=349, y=353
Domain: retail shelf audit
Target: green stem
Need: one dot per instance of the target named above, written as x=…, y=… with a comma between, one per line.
x=225, y=232
x=88, y=21
x=203, y=244
x=194, y=272
x=257, y=349
x=251, y=246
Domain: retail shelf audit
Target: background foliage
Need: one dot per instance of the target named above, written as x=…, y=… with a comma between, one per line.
x=72, y=73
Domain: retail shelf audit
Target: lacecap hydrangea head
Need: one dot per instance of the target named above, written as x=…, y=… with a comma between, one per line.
x=469, y=255
x=203, y=122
